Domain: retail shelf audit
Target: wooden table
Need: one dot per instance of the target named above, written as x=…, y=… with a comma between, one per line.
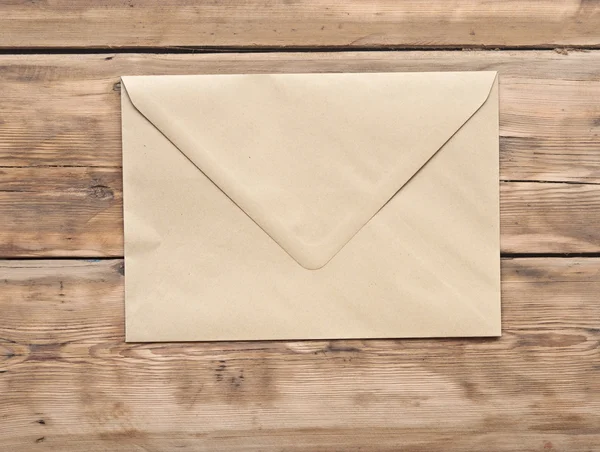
x=68, y=382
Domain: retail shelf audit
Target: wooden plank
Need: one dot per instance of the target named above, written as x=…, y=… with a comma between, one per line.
x=549, y=218
x=65, y=110
x=361, y=23
x=69, y=383
x=61, y=212
x=53, y=211
x=78, y=212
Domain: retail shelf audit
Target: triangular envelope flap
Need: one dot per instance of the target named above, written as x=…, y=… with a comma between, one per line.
x=310, y=157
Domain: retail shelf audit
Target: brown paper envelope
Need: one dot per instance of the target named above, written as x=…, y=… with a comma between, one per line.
x=311, y=206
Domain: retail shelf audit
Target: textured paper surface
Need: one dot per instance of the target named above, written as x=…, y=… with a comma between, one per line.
x=304, y=206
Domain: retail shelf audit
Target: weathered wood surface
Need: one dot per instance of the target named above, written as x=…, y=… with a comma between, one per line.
x=314, y=23
x=63, y=111
x=78, y=212
x=61, y=212
x=68, y=382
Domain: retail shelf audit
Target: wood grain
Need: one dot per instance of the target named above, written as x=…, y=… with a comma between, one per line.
x=61, y=212
x=69, y=383
x=53, y=211
x=64, y=109
x=314, y=23
x=549, y=218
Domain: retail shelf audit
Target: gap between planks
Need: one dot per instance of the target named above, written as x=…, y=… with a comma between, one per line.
x=533, y=181
x=285, y=49
x=503, y=256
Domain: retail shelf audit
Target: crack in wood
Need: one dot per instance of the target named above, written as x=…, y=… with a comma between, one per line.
x=571, y=182
x=292, y=49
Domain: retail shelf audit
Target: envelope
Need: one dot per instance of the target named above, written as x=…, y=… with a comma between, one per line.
x=311, y=206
